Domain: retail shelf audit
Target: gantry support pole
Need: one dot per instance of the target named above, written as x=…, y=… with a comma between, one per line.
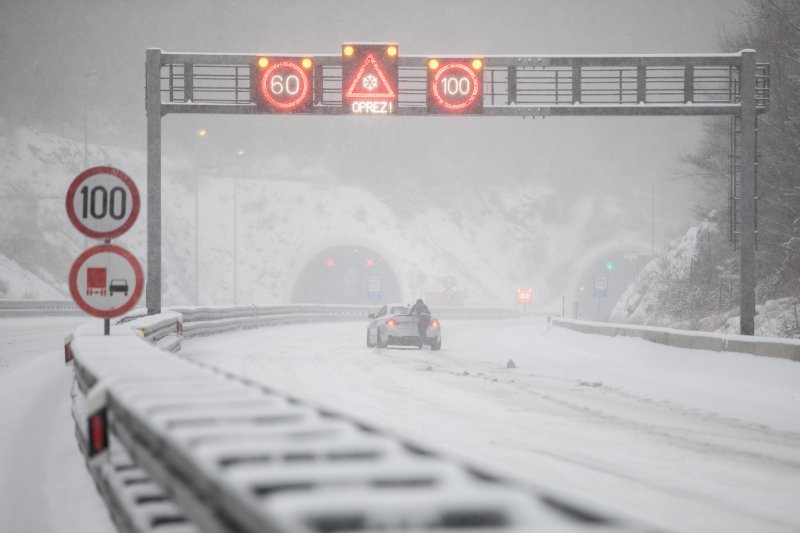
x=747, y=262
x=153, y=109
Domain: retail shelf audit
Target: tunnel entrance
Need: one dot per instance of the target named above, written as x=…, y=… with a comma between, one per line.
x=603, y=282
x=347, y=275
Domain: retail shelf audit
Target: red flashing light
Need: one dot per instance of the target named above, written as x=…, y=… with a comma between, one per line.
x=524, y=296
x=330, y=262
x=454, y=87
x=284, y=86
x=370, y=262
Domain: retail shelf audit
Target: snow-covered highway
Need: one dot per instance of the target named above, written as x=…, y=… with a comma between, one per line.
x=693, y=440
x=690, y=440
x=44, y=484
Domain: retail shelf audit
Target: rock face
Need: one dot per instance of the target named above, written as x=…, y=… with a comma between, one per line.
x=694, y=286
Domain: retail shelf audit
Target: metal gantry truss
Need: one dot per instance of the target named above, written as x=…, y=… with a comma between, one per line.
x=538, y=85
x=512, y=85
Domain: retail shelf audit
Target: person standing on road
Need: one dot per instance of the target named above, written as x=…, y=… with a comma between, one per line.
x=419, y=308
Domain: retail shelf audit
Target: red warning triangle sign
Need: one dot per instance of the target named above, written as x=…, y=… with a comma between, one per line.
x=370, y=81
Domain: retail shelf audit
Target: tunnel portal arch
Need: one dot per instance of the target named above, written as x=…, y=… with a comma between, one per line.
x=354, y=274
x=628, y=258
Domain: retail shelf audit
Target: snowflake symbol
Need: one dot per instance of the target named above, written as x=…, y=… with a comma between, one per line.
x=369, y=82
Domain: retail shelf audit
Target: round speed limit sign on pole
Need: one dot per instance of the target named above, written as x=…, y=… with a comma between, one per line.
x=103, y=202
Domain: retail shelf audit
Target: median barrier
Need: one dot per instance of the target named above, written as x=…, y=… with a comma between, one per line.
x=696, y=340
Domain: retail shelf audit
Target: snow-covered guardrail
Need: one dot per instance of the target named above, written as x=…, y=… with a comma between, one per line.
x=23, y=308
x=169, y=328
x=201, y=321
x=717, y=342
x=178, y=446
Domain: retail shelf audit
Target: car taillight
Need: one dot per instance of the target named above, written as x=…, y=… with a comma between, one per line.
x=391, y=322
x=434, y=323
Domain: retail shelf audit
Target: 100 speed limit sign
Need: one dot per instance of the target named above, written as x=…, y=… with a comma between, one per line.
x=103, y=202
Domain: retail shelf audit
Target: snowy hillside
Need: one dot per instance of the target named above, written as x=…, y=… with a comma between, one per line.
x=490, y=239
x=694, y=285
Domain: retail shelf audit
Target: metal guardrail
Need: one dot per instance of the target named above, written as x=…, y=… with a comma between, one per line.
x=176, y=446
x=169, y=328
x=25, y=308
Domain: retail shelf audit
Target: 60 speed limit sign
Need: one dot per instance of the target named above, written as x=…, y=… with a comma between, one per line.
x=103, y=202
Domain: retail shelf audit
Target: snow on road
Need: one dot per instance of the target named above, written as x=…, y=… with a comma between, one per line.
x=44, y=484
x=693, y=440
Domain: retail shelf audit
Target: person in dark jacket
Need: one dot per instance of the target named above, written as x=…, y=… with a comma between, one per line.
x=419, y=308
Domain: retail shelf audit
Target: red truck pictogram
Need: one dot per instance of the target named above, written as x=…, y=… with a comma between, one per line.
x=95, y=281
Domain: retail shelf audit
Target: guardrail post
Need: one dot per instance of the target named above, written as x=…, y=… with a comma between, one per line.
x=153, y=109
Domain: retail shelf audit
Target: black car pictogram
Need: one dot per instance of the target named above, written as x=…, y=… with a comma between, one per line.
x=118, y=285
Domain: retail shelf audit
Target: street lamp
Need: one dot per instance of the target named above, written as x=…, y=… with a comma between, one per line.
x=239, y=153
x=86, y=76
x=201, y=134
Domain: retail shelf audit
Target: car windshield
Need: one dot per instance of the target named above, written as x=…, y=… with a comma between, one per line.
x=399, y=310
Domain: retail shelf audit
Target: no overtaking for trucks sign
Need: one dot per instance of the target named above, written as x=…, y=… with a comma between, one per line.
x=106, y=281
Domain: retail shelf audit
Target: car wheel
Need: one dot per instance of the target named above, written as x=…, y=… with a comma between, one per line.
x=381, y=342
x=436, y=344
x=369, y=344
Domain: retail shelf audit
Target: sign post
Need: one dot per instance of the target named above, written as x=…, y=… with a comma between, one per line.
x=105, y=281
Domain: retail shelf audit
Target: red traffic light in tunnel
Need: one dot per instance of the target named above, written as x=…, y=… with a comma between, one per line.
x=370, y=262
x=330, y=262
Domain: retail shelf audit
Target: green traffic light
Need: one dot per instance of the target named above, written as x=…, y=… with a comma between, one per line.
x=609, y=266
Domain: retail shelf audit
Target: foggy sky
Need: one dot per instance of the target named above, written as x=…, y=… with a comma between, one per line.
x=47, y=48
